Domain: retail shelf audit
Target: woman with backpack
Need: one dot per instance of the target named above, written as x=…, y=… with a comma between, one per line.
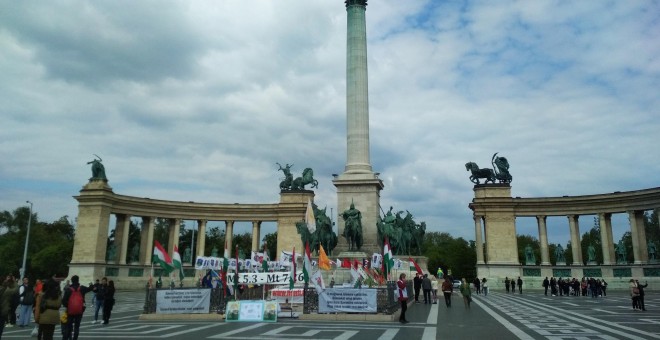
x=8, y=290
x=47, y=311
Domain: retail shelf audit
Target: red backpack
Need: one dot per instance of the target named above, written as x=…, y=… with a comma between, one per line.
x=76, y=302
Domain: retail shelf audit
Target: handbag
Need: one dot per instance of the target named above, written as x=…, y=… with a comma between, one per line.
x=635, y=291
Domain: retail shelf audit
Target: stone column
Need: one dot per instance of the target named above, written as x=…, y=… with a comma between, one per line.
x=173, y=239
x=576, y=246
x=147, y=240
x=201, y=237
x=229, y=236
x=478, y=243
x=123, y=237
x=606, y=238
x=256, y=227
x=638, y=235
x=543, y=239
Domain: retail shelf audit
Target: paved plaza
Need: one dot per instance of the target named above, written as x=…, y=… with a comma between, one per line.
x=497, y=316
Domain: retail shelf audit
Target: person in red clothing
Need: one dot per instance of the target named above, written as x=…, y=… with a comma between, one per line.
x=403, y=297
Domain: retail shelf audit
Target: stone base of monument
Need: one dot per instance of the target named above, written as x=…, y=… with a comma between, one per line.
x=592, y=263
x=530, y=263
x=654, y=261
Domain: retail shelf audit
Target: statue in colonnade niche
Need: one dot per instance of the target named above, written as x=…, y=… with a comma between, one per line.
x=591, y=253
x=620, y=251
x=214, y=252
x=650, y=246
x=353, y=227
x=560, y=258
x=530, y=259
x=135, y=253
x=187, y=255
x=111, y=252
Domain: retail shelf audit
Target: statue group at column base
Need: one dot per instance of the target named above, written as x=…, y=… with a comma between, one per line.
x=592, y=263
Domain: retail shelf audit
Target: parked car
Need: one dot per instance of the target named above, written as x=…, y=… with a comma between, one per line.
x=457, y=284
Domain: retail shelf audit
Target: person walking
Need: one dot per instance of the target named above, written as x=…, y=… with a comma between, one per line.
x=477, y=285
x=402, y=288
x=513, y=285
x=26, y=301
x=47, y=313
x=467, y=293
x=417, y=284
x=507, y=284
x=434, y=289
x=99, y=296
x=447, y=289
x=604, y=287
x=520, y=282
x=74, y=302
x=484, y=286
x=546, y=284
x=7, y=292
x=108, y=301
x=426, y=286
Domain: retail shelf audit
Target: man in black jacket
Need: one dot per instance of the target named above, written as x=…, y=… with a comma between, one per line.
x=417, y=284
x=641, y=294
x=546, y=284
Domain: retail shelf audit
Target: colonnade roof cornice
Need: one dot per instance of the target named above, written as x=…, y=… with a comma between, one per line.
x=142, y=206
x=616, y=202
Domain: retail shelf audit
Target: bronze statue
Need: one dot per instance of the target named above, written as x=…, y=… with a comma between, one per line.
x=404, y=235
x=98, y=170
x=501, y=166
x=530, y=259
x=486, y=173
x=353, y=227
x=652, y=251
x=559, y=255
x=620, y=250
x=323, y=235
x=288, y=177
x=111, y=252
x=307, y=178
x=591, y=253
x=187, y=255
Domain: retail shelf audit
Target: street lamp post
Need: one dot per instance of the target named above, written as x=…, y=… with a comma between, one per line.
x=27, y=240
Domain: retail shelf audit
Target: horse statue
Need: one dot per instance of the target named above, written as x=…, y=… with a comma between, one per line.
x=288, y=177
x=352, y=227
x=486, y=173
x=307, y=178
x=501, y=166
x=98, y=170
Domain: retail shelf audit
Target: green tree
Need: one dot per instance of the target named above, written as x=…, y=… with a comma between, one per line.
x=443, y=251
x=270, y=241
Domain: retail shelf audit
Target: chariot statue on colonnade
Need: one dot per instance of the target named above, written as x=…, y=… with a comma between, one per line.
x=299, y=183
x=500, y=171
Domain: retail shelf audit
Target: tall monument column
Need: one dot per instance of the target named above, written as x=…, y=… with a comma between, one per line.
x=358, y=184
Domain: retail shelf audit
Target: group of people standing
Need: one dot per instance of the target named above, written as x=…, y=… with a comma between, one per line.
x=585, y=287
x=510, y=284
x=44, y=300
x=637, y=294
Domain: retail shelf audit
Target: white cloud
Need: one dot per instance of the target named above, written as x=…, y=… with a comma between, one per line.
x=197, y=101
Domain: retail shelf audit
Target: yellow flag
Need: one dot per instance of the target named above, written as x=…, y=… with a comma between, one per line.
x=324, y=261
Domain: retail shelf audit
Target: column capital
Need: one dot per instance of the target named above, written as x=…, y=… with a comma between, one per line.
x=355, y=3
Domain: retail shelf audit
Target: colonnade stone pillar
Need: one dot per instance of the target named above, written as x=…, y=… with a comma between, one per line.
x=147, y=239
x=606, y=238
x=292, y=207
x=543, y=239
x=229, y=238
x=478, y=242
x=638, y=235
x=173, y=239
x=576, y=246
x=256, y=228
x=90, y=243
x=201, y=238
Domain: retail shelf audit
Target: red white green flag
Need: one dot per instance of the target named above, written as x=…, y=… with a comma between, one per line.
x=176, y=262
x=307, y=263
x=414, y=266
x=161, y=258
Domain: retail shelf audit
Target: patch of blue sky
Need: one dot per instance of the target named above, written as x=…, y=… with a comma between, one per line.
x=38, y=186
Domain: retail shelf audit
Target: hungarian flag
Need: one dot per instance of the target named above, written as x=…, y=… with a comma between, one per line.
x=388, y=259
x=414, y=266
x=324, y=261
x=345, y=263
x=161, y=258
x=307, y=264
x=225, y=265
x=176, y=262
x=309, y=217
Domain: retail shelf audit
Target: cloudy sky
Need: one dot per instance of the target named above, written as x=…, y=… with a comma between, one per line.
x=197, y=100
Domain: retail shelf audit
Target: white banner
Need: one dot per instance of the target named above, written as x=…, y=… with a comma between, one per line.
x=274, y=278
x=345, y=300
x=283, y=295
x=183, y=301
